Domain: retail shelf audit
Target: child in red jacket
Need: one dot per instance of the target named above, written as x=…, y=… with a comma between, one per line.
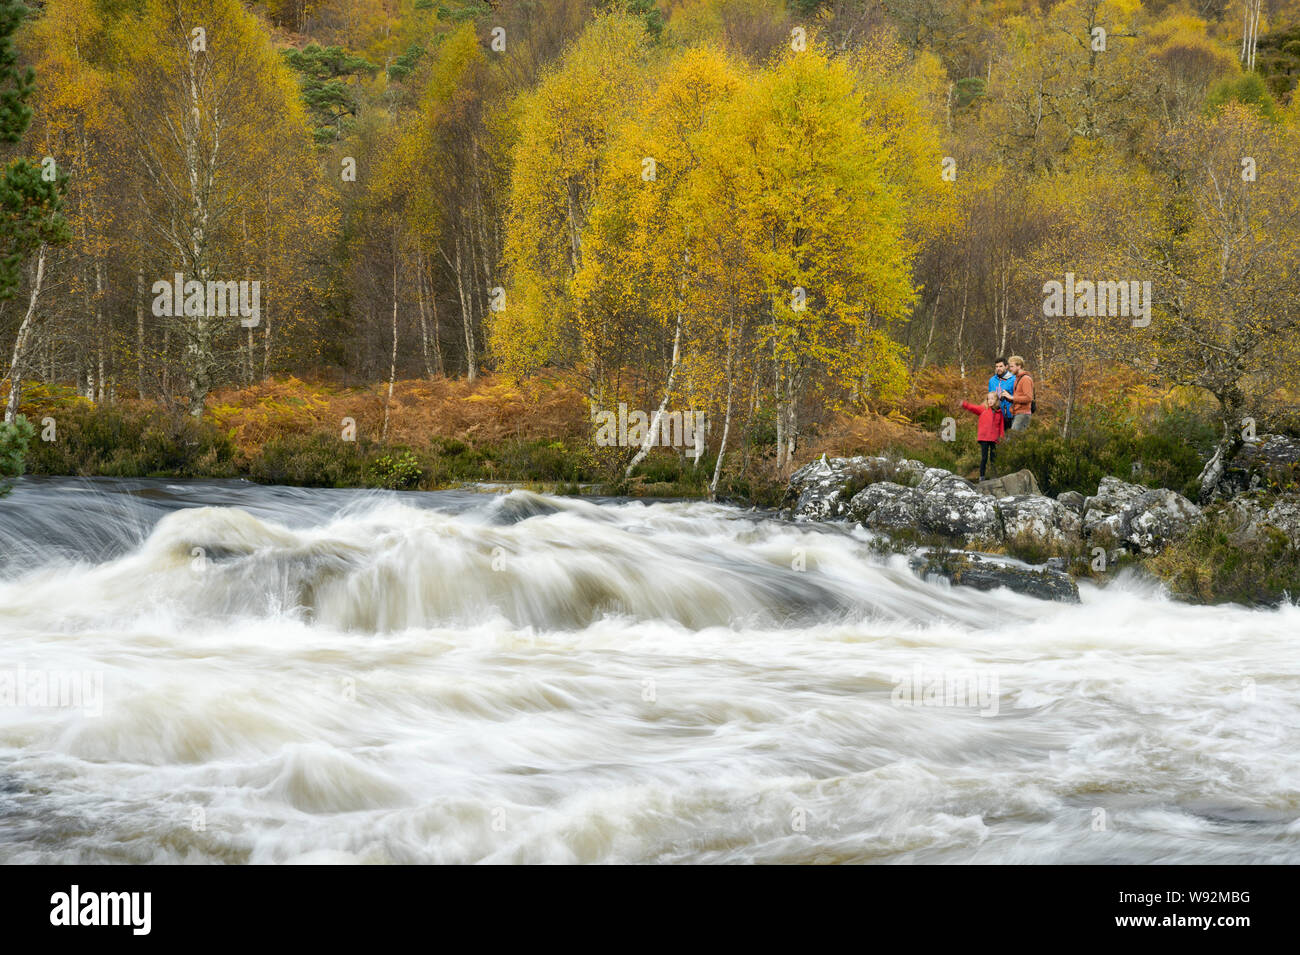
x=990, y=428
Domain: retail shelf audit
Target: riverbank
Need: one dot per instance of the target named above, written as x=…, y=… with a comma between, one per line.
x=439, y=433
x=431, y=435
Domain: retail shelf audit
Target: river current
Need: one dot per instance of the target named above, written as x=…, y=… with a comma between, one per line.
x=230, y=673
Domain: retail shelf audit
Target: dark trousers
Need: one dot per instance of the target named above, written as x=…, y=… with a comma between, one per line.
x=987, y=450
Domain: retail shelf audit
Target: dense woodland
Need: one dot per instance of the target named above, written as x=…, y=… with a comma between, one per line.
x=770, y=211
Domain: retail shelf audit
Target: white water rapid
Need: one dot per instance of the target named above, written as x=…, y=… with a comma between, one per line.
x=220, y=672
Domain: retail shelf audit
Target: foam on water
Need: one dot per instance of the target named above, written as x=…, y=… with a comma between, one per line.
x=355, y=677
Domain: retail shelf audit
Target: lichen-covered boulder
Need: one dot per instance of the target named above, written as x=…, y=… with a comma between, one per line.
x=822, y=490
x=1271, y=461
x=1030, y=519
x=954, y=509
x=1242, y=518
x=931, y=478
x=1254, y=518
x=1285, y=516
x=1020, y=483
x=950, y=509
x=1071, y=500
x=887, y=507
x=1155, y=519
x=1103, y=513
x=816, y=490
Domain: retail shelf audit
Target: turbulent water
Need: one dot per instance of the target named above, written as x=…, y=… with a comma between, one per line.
x=221, y=672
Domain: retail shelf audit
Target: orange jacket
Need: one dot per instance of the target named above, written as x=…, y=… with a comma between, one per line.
x=1023, y=395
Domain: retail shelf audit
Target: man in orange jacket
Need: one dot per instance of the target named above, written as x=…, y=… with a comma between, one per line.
x=1022, y=399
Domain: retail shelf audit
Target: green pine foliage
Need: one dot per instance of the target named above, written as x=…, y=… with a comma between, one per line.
x=30, y=197
x=326, y=75
x=14, y=440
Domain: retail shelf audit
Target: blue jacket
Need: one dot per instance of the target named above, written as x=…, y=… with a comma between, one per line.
x=1005, y=385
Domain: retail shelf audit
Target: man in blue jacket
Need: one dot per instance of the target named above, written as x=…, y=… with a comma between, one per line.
x=1003, y=383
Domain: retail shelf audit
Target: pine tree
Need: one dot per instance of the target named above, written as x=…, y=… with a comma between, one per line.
x=30, y=196
x=327, y=90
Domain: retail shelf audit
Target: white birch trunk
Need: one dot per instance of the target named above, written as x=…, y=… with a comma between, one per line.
x=20, y=343
x=392, y=364
x=663, y=405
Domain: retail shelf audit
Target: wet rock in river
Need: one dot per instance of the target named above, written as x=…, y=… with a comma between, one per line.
x=982, y=573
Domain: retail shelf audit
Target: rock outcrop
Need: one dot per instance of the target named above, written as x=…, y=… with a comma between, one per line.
x=930, y=504
x=887, y=507
x=983, y=573
x=1103, y=512
x=1012, y=485
x=1270, y=461
x=1035, y=519
x=1136, y=518
x=822, y=490
x=1285, y=516
x=1072, y=500
x=1157, y=518
x=1247, y=516
x=954, y=510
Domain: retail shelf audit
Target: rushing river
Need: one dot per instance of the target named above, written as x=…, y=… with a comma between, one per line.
x=222, y=672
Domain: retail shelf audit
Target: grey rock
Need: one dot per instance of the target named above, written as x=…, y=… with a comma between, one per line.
x=816, y=489
x=1103, y=513
x=931, y=478
x=943, y=506
x=1033, y=517
x=1072, y=500
x=955, y=510
x=1250, y=517
x=887, y=507
x=914, y=469
x=1243, y=517
x=892, y=496
x=970, y=570
x=1285, y=516
x=1155, y=519
x=819, y=502
x=1135, y=517
x=1011, y=485
x=822, y=489
x=1271, y=459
